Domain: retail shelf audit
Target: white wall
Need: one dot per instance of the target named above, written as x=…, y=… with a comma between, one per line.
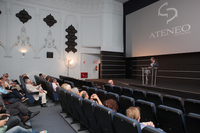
x=99, y=25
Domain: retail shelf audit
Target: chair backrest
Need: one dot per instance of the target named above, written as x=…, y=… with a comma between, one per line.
x=88, y=108
x=192, y=106
x=92, y=90
x=124, y=103
x=171, y=120
x=150, y=129
x=124, y=124
x=127, y=92
x=174, y=102
x=139, y=94
x=90, y=83
x=156, y=98
x=77, y=100
x=102, y=95
x=59, y=92
x=117, y=90
x=192, y=122
x=108, y=87
x=147, y=112
x=113, y=96
x=104, y=117
x=85, y=88
x=69, y=99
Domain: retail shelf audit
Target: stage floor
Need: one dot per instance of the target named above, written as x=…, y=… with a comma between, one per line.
x=163, y=88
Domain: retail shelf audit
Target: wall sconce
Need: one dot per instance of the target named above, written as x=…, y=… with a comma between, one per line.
x=23, y=54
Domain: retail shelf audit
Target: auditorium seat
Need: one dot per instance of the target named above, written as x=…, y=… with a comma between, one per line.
x=102, y=95
x=70, y=83
x=173, y=101
x=90, y=84
x=66, y=102
x=50, y=91
x=171, y=120
x=117, y=90
x=85, y=88
x=113, y=96
x=147, y=112
x=92, y=90
x=69, y=99
x=59, y=92
x=88, y=108
x=108, y=87
x=192, y=122
x=124, y=124
x=192, y=106
x=156, y=98
x=139, y=94
x=77, y=101
x=124, y=103
x=104, y=117
x=150, y=129
x=127, y=92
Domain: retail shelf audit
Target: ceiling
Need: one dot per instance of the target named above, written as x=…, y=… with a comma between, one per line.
x=122, y=1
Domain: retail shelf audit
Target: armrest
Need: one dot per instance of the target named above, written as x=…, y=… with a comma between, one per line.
x=34, y=93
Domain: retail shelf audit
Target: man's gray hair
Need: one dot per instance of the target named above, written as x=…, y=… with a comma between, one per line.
x=27, y=80
x=75, y=90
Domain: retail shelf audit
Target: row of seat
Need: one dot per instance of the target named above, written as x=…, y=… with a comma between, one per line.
x=46, y=85
x=162, y=116
x=97, y=118
x=189, y=106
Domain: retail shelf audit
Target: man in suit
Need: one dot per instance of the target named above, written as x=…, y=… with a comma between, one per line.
x=149, y=69
x=31, y=88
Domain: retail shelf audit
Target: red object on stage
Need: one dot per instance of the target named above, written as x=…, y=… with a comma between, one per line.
x=84, y=74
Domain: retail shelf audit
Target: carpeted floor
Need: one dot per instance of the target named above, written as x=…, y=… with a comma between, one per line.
x=50, y=120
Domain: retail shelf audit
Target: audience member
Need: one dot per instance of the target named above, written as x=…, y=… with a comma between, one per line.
x=31, y=88
x=48, y=78
x=42, y=76
x=8, y=94
x=93, y=97
x=112, y=104
x=24, y=75
x=134, y=113
x=66, y=86
x=75, y=91
x=111, y=82
x=55, y=84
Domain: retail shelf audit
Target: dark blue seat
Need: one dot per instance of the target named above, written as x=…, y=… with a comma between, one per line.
x=192, y=106
x=85, y=88
x=92, y=90
x=156, y=98
x=171, y=120
x=147, y=112
x=108, y=87
x=88, y=108
x=192, y=122
x=90, y=84
x=127, y=92
x=113, y=96
x=174, y=102
x=102, y=95
x=104, y=117
x=124, y=103
x=150, y=129
x=117, y=90
x=77, y=100
x=139, y=94
x=124, y=124
x=61, y=100
x=50, y=91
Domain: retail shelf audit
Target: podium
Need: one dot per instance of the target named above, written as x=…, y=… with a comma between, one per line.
x=153, y=75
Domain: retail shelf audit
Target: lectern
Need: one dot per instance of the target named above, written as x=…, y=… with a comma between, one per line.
x=153, y=72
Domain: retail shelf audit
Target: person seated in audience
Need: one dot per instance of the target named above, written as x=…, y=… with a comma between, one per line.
x=93, y=97
x=8, y=79
x=75, y=91
x=48, y=78
x=42, y=76
x=55, y=84
x=31, y=88
x=11, y=84
x=111, y=82
x=24, y=75
x=134, y=113
x=18, y=129
x=8, y=94
x=66, y=87
x=112, y=104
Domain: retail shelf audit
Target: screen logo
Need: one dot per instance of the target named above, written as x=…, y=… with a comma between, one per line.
x=166, y=14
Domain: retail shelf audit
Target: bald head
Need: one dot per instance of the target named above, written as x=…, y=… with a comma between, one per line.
x=111, y=82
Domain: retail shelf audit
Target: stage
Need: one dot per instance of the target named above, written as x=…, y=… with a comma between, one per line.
x=162, y=87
